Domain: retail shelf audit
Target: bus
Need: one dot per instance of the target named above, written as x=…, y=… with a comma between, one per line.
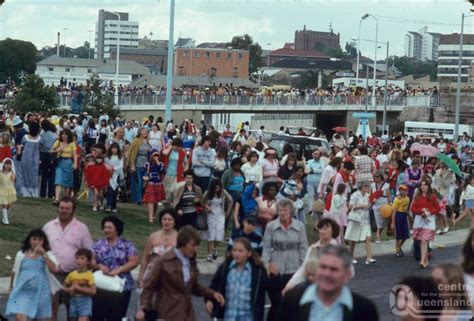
x=418, y=128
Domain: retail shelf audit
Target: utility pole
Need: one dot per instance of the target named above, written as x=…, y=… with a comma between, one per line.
x=458, y=85
x=385, y=96
x=169, y=69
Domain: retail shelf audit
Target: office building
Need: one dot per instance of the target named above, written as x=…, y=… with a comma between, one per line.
x=448, y=57
x=422, y=45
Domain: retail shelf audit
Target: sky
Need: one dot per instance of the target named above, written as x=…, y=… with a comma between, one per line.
x=270, y=22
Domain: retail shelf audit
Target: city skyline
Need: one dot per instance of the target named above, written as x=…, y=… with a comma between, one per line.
x=211, y=20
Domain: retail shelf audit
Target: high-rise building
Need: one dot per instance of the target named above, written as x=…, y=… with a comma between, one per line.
x=448, y=57
x=422, y=45
x=109, y=32
x=316, y=40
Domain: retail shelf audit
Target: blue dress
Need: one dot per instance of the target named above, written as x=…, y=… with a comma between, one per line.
x=31, y=295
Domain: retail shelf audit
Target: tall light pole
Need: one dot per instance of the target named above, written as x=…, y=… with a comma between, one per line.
x=116, y=98
x=358, y=48
x=384, y=117
x=458, y=85
x=64, y=51
x=169, y=67
x=375, y=57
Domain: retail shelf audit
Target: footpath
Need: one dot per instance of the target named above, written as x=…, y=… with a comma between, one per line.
x=384, y=248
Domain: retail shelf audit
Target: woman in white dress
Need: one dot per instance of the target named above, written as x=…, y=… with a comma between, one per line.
x=380, y=196
x=155, y=138
x=358, y=227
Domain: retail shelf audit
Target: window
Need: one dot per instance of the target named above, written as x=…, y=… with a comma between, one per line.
x=89, y=70
x=213, y=72
x=50, y=68
x=197, y=55
x=68, y=69
x=218, y=55
x=208, y=54
x=181, y=71
x=185, y=53
x=229, y=55
x=235, y=74
x=241, y=55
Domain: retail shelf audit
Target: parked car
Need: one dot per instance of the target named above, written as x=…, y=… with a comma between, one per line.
x=302, y=145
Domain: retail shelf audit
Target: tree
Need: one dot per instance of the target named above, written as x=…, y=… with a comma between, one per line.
x=351, y=51
x=336, y=53
x=16, y=56
x=96, y=102
x=410, y=66
x=245, y=42
x=35, y=96
x=308, y=79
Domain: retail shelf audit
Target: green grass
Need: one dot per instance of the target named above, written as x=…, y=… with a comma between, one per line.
x=27, y=214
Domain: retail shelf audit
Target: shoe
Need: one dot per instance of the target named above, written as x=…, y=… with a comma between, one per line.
x=114, y=210
x=401, y=252
x=5, y=217
x=214, y=254
x=101, y=208
x=377, y=241
x=371, y=261
x=94, y=208
x=354, y=261
x=108, y=210
x=439, y=232
x=446, y=229
x=55, y=203
x=398, y=254
x=209, y=258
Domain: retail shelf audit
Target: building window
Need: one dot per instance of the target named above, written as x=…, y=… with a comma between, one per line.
x=185, y=53
x=68, y=69
x=235, y=73
x=50, y=68
x=89, y=70
x=218, y=55
x=229, y=55
x=197, y=55
x=208, y=54
x=181, y=71
x=241, y=55
x=213, y=72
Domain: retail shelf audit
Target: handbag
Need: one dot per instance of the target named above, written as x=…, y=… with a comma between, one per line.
x=373, y=222
x=354, y=216
x=108, y=283
x=201, y=220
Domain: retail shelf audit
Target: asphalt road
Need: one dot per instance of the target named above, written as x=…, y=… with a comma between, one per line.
x=372, y=281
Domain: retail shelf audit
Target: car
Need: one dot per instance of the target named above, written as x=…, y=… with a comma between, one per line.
x=302, y=145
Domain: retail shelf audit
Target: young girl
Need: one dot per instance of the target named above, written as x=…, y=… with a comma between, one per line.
x=7, y=188
x=97, y=177
x=218, y=204
x=339, y=209
x=32, y=283
x=5, y=146
x=225, y=281
x=400, y=219
x=154, y=190
x=114, y=162
x=467, y=197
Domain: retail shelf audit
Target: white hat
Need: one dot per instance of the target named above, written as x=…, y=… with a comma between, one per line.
x=17, y=121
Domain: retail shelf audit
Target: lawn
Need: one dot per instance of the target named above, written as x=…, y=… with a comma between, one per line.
x=29, y=213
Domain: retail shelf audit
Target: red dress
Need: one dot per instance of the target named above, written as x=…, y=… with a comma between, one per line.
x=5, y=152
x=97, y=176
x=424, y=228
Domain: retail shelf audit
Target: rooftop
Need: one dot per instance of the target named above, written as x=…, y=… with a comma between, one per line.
x=222, y=45
x=296, y=63
x=453, y=39
x=297, y=53
x=142, y=52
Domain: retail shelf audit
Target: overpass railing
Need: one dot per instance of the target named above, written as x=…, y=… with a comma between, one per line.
x=410, y=101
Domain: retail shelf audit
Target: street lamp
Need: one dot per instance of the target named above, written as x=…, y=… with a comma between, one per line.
x=375, y=55
x=117, y=59
x=169, y=67
x=358, y=47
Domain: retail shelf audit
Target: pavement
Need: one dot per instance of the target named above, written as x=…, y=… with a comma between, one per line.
x=373, y=281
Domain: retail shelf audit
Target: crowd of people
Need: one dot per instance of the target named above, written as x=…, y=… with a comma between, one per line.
x=198, y=184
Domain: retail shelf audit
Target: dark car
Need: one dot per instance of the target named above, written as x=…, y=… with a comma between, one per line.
x=302, y=145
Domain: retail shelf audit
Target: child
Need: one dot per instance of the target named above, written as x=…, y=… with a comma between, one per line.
x=154, y=190
x=229, y=281
x=5, y=146
x=7, y=188
x=338, y=211
x=218, y=204
x=114, y=162
x=310, y=270
x=97, y=177
x=246, y=206
x=467, y=197
x=248, y=232
x=400, y=219
x=80, y=284
x=33, y=284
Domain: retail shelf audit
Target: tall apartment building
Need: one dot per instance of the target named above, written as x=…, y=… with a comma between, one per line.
x=316, y=40
x=448, y=57
x=422, y=45
x=109, y=32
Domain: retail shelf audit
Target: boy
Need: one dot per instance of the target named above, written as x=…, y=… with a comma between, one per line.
x=248, y=232
x=80, y=284
x=400, y=219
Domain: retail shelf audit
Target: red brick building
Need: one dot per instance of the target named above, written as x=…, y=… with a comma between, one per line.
x=314, y=40
x=213, y=62
x=287, y=53
x=153, y=59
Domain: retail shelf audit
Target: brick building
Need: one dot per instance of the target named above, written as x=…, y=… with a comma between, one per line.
x=311, y=40
x=153, y=59
x=213, y=62
x=287, y=53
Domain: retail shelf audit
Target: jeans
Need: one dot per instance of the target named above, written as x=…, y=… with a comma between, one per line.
x=112, y=197
x=110, y=306
x=312, y=188
x=136, y=182
x=203, y=182
x=46, y=170
x=276, y=285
